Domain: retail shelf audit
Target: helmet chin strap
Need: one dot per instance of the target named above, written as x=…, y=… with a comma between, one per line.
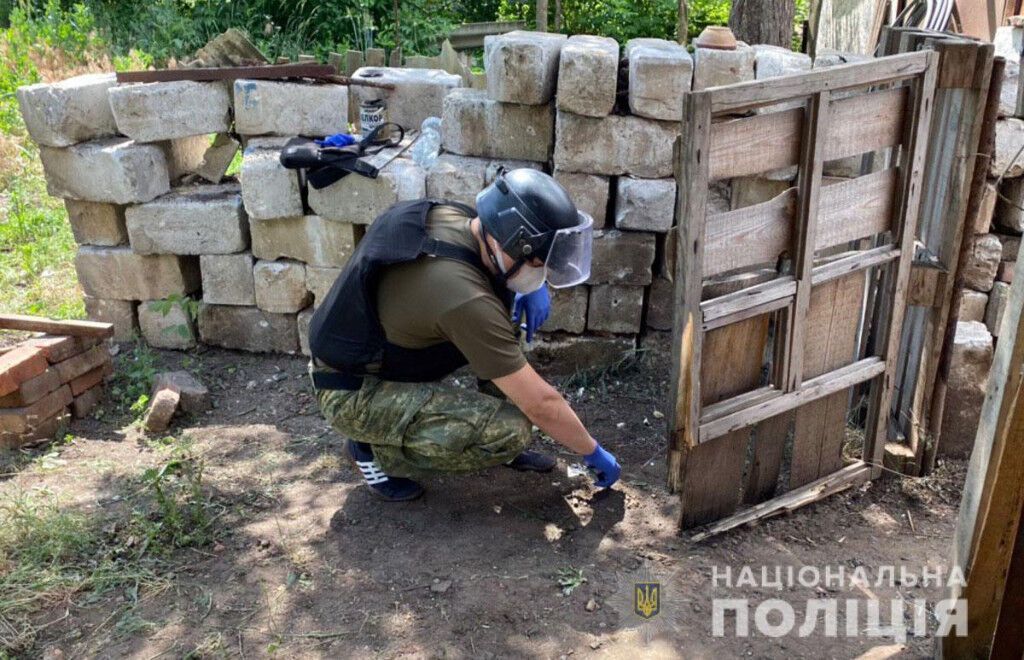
x=503, y=274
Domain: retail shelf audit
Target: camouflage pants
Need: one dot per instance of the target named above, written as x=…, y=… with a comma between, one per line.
x=423, y=427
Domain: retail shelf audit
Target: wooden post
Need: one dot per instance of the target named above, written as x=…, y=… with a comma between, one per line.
x=542, y=15
x=397, y=11
x=683, y=23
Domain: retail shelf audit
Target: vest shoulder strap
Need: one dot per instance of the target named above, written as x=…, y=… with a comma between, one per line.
x=436, y=248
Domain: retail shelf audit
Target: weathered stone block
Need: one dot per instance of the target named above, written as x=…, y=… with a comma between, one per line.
x=660, y=303
x=474, y=125
x=987, y=209
x=660, y=74
x=70, y=111
x=622, y=258
x=359, y=200
x=615, y=309
x=566, y=354
x=310, y=238
x=712, y=68
x=587, y=75
x=195, y=397
x=521, y=66
x=248, y=329
x=218, y=157
x=1009, y=141
x=588, y=191
x=166, y=325
x=184, y=155
x=1005, y=271
x=119, y=313
x=319, y=280
x=115, y=170
x=418, y=93
x=980, y=271
x=1009, y=215
x=614, y=145
x=645, y=204
x=458, y=178
x=568, y=310
x=302, y=321
x=268, y=189
x=273, y=107
x=150, y=112
x=119, y=273
x=965, y=393
x=227, y=278
x=280, y=286
x=774, y=61
x=190, y=220
x=1011, y=247
x=96, y=223
x=996, y=307
x=972, y=306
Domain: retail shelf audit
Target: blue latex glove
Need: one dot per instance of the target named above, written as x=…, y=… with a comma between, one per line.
x=605, y=465
x=337, y=140
x=536, y=306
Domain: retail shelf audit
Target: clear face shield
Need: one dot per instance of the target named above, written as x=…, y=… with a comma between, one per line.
x=568, y=262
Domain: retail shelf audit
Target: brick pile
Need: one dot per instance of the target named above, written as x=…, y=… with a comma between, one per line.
x=47, y=379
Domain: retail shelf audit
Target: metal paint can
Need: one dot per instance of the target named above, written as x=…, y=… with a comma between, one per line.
x=371, y=115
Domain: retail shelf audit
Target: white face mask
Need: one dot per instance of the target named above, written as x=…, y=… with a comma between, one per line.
x=526, y=280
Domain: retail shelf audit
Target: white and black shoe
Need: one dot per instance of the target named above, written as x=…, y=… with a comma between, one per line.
x=391, y=489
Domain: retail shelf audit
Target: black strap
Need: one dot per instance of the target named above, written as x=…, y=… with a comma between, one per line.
x=336, y=380
x=436, y=248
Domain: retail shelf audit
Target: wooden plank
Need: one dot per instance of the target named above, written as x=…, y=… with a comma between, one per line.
x=993, y=494
x=759, y=93
x=769, y=446
x=856, y=208
x=782, y=288
x=691, y=174
x=851, y=475
x=747, y=312
x=39, y=324
x=1008, y=641
x=812, y=390
x=858, y=261
x=749, y=236
x=925, y=281
x=866, y=122
x=303, y=70
x=831, y=343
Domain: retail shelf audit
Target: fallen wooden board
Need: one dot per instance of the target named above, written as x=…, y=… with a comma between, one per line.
x=49, y=326
x=303, y=70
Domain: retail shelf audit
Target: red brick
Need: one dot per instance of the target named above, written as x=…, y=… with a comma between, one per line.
x=82, y=363
x=22, y=420
x=86, y=401
x=45, y=430
x=32, y=390
x=90, y=378
x=58, y=348
x=19, y=365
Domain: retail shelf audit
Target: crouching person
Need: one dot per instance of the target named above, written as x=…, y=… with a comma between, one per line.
x=432, y=286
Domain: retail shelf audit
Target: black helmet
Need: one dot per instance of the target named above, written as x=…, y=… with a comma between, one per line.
x=522, y=210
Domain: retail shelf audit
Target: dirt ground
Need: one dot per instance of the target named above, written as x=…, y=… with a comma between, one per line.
x=308, y=564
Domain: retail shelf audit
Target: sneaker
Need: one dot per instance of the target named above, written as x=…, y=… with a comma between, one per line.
x=531, y=461
x=390, y=489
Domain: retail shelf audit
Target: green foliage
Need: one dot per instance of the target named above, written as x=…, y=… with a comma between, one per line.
x=189, y=306
x=569, y=579
x=133, y=379
x=179, y=513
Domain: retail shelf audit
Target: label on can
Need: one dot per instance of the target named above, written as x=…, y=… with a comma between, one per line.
x=371, y=115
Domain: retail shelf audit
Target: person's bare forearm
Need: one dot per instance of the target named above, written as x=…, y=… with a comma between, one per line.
x=558, y=420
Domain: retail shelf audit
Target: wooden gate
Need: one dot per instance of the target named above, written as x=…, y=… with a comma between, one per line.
x=767, y=379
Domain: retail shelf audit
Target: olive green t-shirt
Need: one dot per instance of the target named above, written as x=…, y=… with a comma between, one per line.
x=432, y=300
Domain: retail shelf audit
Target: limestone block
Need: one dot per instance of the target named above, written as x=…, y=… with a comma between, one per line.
x=70, y=111
x=184, y=155
x=248, y=329
x=166, y=325
x=660, y=304
x=359, y=200
x=1009, y=42
x=996, y=307
x=319, y=280
x=119, y=313
x=774, y=61
x=660, y=74
x=965, y=394
x=190, y=220
x=149, y=112
x=119, y=273
x=972, y=306
x=96, y=223
x=195, y=397
x=1008, y=92
x=227, y=278
x=645, y=204
x=474, y=125
x=280, y=286
x=1011, y=247
x=218, y=157
x=614, y=145
x=980, y=271
x=114, y=170
x=522, y=66
x=1009, y=141
x=1005, y=271
x=491, y=173
x=568, y=310
x=1009, y=215
x=566, y=354
x=271, y=107
x=622, y=258
x=615, y=308
x=588, y=191
x=587, y=75
x=712, y=68
x=302, y=321
x=458, y=178
x=987, y=209
x=418, y=93
x=309, y=238
x=268, y=189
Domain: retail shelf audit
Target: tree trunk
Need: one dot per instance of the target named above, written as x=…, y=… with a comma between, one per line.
x=542, y=15
x=683, y=23
x=763, y=21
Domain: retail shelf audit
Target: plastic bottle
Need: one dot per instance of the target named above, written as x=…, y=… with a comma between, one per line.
x=428, y=146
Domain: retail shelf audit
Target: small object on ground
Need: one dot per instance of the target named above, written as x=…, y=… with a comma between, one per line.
x=718, y=37
x=195, y=397
x=441, y=586
x=591, y=605
x=161, y=410
x=576, y=470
